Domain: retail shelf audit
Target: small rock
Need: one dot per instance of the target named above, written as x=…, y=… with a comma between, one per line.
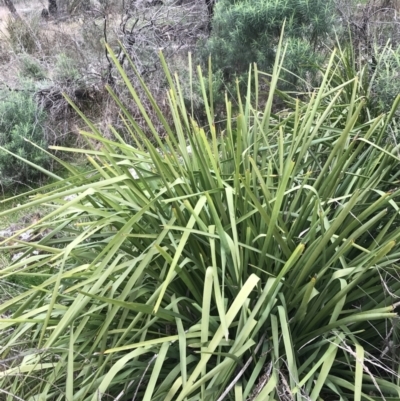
x=26, y=236
x=70, y=197
x=16, y=256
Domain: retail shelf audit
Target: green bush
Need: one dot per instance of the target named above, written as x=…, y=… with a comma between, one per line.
x=258, y=261
x=66, y=69
x=20, y=124
x=385, y=85
x=31, y=68
x=248, y=31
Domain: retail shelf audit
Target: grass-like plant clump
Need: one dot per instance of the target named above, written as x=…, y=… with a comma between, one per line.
x=253, y=259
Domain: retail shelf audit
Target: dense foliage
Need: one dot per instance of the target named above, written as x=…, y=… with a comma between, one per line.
x=385, y=84
x=245, y=31
x=252, y=260
x=20, y=124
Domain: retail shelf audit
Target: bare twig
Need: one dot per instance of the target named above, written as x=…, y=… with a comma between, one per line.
x=143, y=375
x=241, y=371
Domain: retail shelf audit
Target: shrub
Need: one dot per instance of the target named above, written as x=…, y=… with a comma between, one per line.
x=248, y=31
x=257, y=262
x=385, y=85
x=31, y=68
x=66, y=69
x=20, y=124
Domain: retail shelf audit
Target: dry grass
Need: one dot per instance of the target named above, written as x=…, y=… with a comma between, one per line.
x=372, y=22
x=175, y=28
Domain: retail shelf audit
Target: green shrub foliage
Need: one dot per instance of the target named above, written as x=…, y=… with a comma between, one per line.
x=31, y=68
x=385, y=85
x=66, y=69
x=20, y=122
x=247, y=31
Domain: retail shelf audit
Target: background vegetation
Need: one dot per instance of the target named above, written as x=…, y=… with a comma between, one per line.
x=248, y=31
x=21, y=122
